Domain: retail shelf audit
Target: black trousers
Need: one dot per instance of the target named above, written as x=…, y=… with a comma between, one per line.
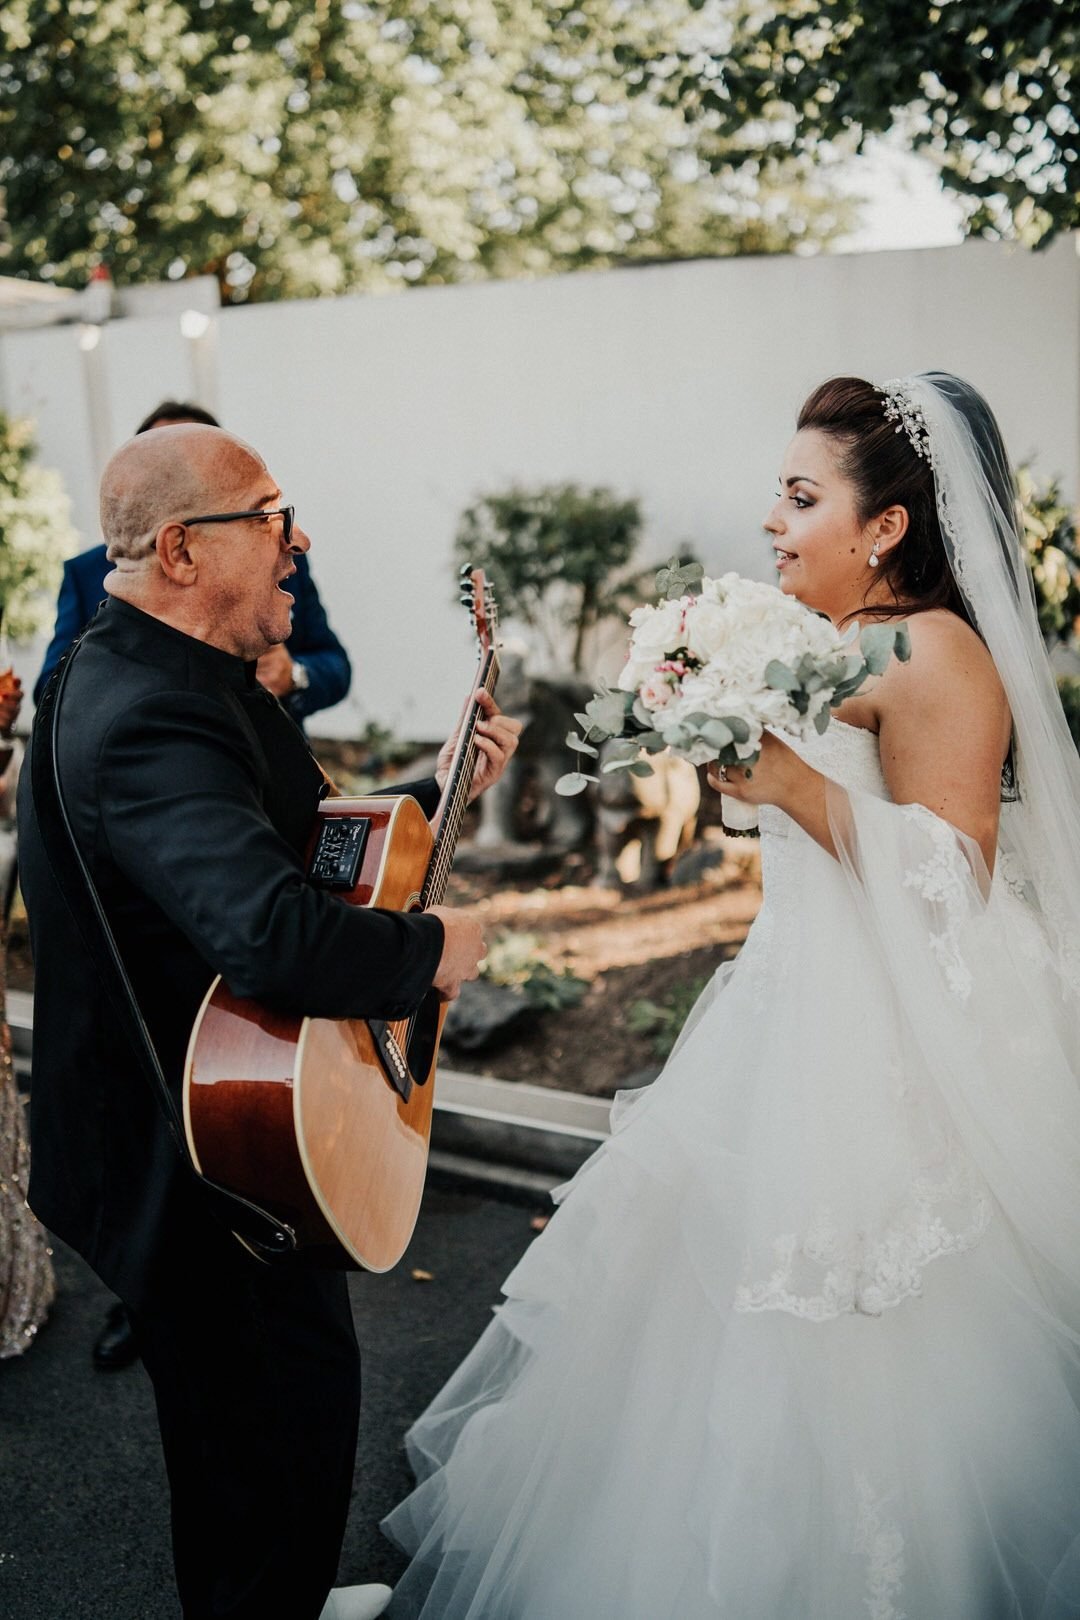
x=256, y=1373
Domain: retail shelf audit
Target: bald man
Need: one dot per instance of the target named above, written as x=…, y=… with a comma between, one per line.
x=191, y=794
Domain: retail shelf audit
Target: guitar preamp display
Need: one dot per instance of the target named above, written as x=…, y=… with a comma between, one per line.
x=339, y=849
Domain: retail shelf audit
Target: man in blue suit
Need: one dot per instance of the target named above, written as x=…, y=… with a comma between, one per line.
x=309, y=672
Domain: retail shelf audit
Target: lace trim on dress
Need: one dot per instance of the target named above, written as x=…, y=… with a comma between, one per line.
x=882, y=1545
x=823, y=1273
x=940, y=880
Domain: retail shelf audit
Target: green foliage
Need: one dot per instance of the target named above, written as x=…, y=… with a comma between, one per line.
x=301, y=149
x=1052, y=556
x=557, y=558
x=35, y=532
x=677, y=579
x=1069, y=692
x=516, y=960
x=663, y=1020
x=989, y=91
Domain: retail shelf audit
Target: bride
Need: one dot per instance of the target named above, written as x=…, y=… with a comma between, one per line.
x=803, y=1340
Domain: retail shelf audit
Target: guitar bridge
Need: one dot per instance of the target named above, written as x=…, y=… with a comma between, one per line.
x=392, y=1058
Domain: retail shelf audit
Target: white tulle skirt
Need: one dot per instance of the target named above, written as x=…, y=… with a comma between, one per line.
x=788, y=1349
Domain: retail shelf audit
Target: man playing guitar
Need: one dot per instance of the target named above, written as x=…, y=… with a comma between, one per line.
x=190, y=796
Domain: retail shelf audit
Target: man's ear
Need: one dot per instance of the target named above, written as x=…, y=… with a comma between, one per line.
x=888, y=528
x=174, y=554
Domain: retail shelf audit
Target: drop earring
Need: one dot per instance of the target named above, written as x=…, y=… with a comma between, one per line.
x=874, y=559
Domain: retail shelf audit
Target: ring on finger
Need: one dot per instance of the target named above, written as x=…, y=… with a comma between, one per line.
x=722, y=773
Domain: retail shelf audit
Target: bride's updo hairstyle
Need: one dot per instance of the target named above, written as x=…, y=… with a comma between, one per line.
x=885, y=470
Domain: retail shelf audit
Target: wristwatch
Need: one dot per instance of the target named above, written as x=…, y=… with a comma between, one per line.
x=301, y=680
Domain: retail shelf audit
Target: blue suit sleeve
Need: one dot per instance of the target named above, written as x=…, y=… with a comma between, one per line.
x=80, y=592
x=315, y=645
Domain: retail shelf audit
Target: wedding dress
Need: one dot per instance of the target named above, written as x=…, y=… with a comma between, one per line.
x=803, y=1340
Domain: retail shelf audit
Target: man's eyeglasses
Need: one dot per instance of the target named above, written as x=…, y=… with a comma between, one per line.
x=285, y=513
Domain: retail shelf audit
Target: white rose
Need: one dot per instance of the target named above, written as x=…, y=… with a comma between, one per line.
x=710, y=628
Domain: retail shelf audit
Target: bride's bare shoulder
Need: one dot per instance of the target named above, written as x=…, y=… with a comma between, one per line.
x=940, y=638
x=948, y=658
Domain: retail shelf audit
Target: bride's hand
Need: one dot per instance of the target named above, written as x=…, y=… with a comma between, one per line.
x=778, y=777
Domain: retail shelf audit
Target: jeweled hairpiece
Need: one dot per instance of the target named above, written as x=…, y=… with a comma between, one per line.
x=902, y=409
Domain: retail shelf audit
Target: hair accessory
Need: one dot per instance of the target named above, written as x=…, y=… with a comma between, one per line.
x=902, y=409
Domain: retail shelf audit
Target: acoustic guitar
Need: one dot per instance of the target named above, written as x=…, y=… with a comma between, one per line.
x=326, y=1121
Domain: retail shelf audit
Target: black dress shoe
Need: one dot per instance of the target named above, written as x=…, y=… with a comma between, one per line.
x=115, y=1346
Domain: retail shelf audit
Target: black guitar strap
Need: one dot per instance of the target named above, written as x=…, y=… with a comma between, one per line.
x=256, y=1227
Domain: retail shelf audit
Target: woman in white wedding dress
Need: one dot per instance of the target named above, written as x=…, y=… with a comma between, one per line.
x=803, y=1340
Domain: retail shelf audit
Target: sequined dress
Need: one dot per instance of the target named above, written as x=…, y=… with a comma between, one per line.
x=801, y=1342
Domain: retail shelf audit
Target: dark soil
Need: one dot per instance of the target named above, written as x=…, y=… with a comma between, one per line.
x=628, y=947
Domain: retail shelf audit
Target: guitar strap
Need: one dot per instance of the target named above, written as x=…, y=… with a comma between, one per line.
x=263, y=1234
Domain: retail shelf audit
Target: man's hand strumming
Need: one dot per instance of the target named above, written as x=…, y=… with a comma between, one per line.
x=463, y=951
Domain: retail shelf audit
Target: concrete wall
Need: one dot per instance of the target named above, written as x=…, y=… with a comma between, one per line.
x=383, y=417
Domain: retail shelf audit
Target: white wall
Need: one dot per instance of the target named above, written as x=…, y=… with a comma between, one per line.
x=383, y=417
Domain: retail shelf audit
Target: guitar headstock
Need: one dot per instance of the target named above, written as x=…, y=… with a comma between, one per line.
x=478, y=595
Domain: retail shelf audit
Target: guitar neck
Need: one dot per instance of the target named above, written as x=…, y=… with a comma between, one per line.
x=454, y=802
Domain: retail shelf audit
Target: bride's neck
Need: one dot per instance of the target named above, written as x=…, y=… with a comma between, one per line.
x=877, y=603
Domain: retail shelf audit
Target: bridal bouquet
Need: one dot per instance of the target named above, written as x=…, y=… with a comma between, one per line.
x=712, y=665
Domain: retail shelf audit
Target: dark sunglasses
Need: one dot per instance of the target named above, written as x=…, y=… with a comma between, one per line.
x=285, y=513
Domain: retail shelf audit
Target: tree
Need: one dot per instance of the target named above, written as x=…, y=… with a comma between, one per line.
x=35, y=532
x=557, y=558
x=988, y=90
x=301, y=149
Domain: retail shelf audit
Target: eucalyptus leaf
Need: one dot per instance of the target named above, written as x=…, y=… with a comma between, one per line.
x=640, y=767
x=716, y=733
x=607, y=712
x=821, y=720
x=573, y=782
x=780, y=677
x=902, y=647
x=580, y=746
x=677, y=579
x=739, y=728
x=622, y=751
x=877, y=642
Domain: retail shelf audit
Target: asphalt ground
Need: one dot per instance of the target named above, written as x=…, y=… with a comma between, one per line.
x=84, y=1531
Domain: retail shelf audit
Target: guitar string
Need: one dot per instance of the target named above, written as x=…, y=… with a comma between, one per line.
x=434, y=886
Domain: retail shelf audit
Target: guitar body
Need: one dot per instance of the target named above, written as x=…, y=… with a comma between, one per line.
x=302, y=1115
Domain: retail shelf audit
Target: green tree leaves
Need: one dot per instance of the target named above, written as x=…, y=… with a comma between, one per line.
x=988, y=91
x=35, y=533
x=305, y=149
x=555, y=556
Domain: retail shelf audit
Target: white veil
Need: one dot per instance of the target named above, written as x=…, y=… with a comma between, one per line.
x=986, y=974
x=1039, y=839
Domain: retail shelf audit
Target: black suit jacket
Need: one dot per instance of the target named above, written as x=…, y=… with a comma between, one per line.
x=311, y=639
x=192, y=794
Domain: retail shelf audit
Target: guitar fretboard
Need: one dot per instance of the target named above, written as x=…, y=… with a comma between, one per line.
x=456, y=794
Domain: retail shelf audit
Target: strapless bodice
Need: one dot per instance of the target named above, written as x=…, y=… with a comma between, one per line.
x=848, y=755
